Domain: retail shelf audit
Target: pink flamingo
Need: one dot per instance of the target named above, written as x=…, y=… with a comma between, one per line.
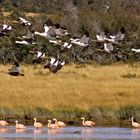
x=19, y=126
x=135, y=124
x=59, y=123
x=37, y=124
x=3, y=123
x=51, y=126
x=87, y=123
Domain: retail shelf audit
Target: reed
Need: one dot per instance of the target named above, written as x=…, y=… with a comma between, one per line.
x=98, y=91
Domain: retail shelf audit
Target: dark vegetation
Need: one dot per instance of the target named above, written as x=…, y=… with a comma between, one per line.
x=77, y=16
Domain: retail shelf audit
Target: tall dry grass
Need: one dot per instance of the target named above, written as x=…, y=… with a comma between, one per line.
x=74, y=88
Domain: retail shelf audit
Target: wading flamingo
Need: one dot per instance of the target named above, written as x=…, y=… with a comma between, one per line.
x=19, y=126
x=59, y=123
x=51, y=126
x=37, y=124
x=87, y=123
x=135, y=124
x=3, y=123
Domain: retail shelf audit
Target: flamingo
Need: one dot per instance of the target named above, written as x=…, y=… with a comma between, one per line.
x=59, y=123
x=37, y=124
x=87, y=123
x=135, y=124
x=51, y=126
x=3, y=123
x=19, y=126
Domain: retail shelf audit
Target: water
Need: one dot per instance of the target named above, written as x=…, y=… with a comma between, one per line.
x=70, y=133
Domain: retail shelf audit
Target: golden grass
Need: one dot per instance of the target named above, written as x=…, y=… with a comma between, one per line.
x=73, y=87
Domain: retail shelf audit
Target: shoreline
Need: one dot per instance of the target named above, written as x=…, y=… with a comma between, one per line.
x=104, y=94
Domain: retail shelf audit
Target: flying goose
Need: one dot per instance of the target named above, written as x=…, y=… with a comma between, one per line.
x=116, y=39
x=50, y=62
x=66, y=46
x=6, y=28
x=135, y=50
x=24, y=22
x=108, y=47
x=58, y=65
x=83, y=41
x=28, y=39
x=101, y=37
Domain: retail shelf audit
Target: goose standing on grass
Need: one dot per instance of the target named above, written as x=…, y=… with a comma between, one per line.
x=59, y=123
x=3, y=123
x=87, y=123
x=37, y=124
x=19, y=126
x=51, y=126
x=135, y=124
x=15, y=70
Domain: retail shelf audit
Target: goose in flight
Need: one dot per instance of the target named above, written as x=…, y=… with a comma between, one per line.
x=108, y=47
x=54, y=64
x=83, y=41
x=135, y=50
x=6, y=28
x=50, y=62
x=29, y=39
x=24, y=22
x=119, y=37
x=66, y=46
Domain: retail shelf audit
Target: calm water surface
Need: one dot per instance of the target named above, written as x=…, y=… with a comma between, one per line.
x=70, y=133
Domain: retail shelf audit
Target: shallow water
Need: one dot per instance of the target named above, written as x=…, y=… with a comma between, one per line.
x=70, y=133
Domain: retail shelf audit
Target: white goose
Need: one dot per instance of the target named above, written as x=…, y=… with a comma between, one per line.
x=81, y=42
x=6, y=28
x=108, y=47
x=24, y=22
x=66, y=46
x=135, y=50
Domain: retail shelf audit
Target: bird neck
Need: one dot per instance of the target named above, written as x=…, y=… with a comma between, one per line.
x=83, y=122
x=49, y=123
x=34, y=121
x=55, y=121
x=16, y=123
